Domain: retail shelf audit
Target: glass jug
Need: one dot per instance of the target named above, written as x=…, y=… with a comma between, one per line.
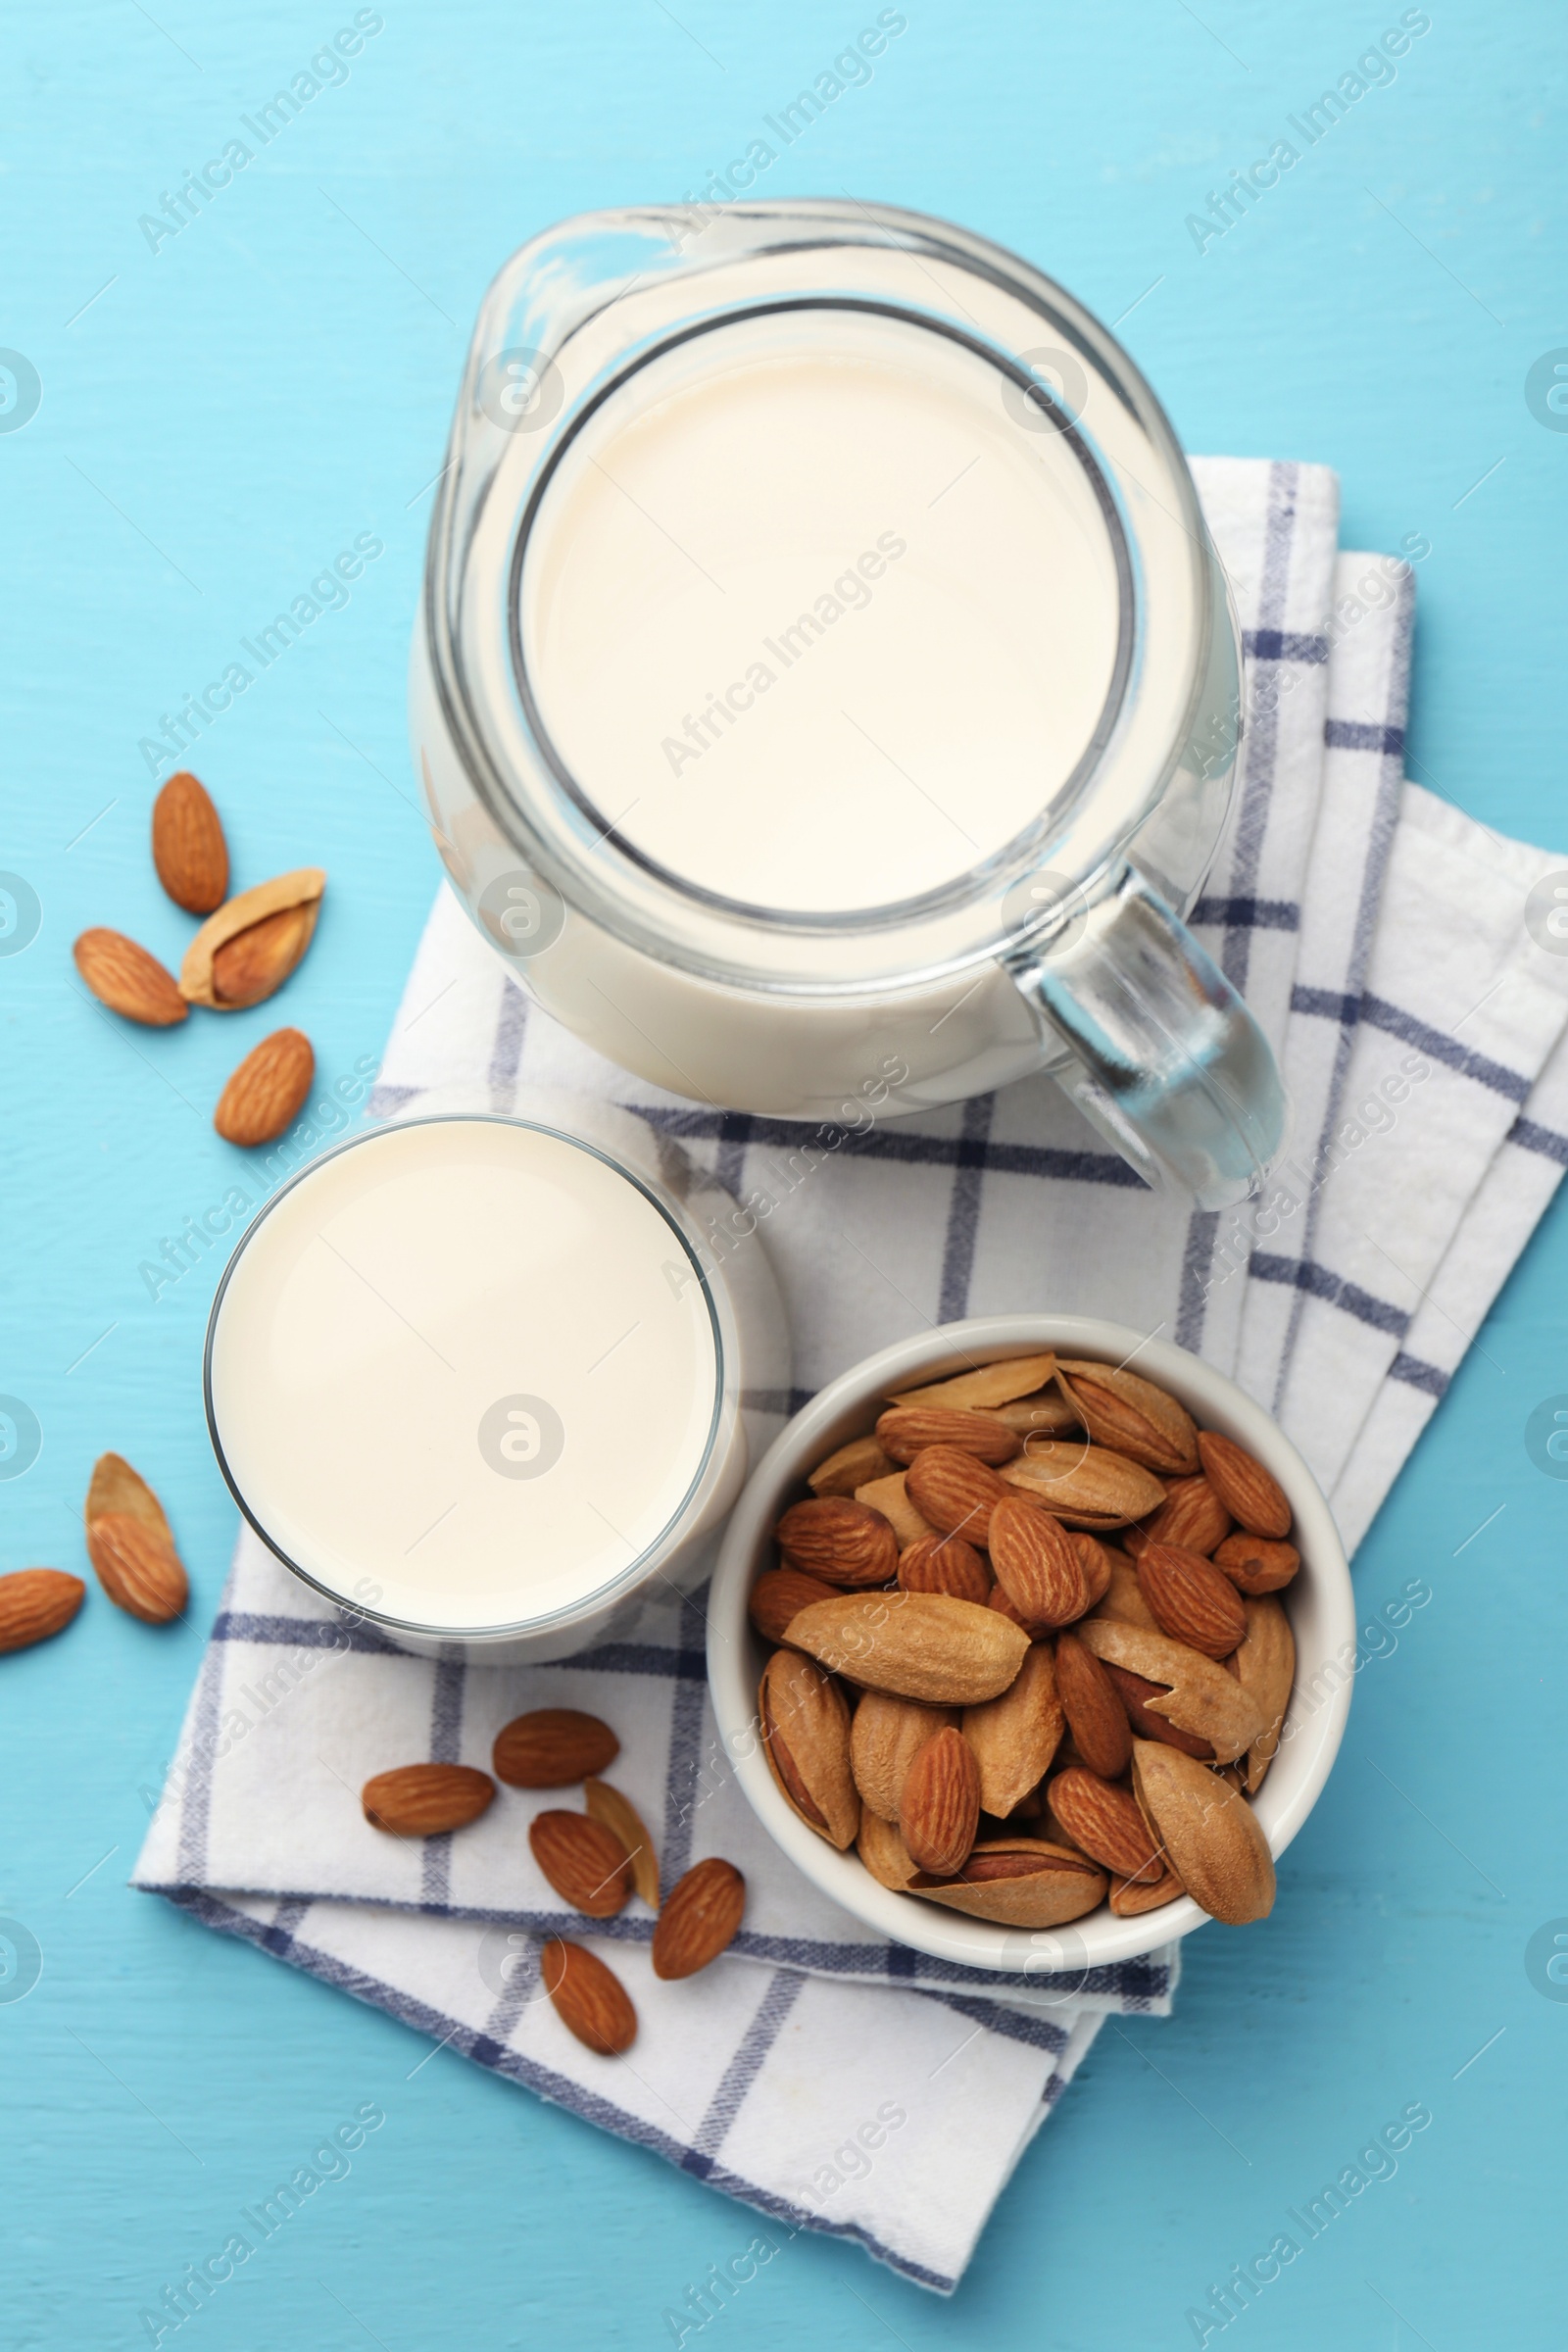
x=823, y=673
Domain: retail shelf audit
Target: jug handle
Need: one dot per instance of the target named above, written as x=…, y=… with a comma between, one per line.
x=1167, y=1060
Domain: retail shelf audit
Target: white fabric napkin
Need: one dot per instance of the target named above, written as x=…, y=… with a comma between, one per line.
x=827, y=2079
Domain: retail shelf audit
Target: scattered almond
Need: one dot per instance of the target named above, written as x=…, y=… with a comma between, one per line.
x=130, y=981
x=189, y=851
x=589, y=1998
x=426, y=1800
x=132, y=1544
x=585, y=1862
x=552, y=1748
x=1248, y=1491
x=35, y=1602
x=623, y=1821
x=265, y=1092
x=700, y=1919
x=248, y=948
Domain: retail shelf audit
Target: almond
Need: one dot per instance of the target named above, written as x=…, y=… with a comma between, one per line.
x=1104, y=1821
x=130, y=981
x=1191, y=1600
x=623, y=1821
x=945, y=1564
x=986, y=1385
x=552, y=1748
x=999, y=1600
x=1135, y=1693
x=805, y=1722
x=426, y=1800
x=1131, y=1416
x=700, y=1919
x=906, y=1430
x=1130, y=1898
x=780, y=1594
x=1036, y=1564
x=1248, y=1490
x=854, y=1465
x=589, y=1998
x=189, y=851
x=890, y=1497
x=939, y=1809
x=138, y=1568
x=1258, y=1563
x=1014, y=1736
x=1047, y=1415
x=922, y=1646
x=839, y=1539
x=1084, y=1486
x=248, y=948
x=1212, y=1836
x=885, y=1737
x=884, y=1852
x=954, y=1491
x=1265, y=1668
x=1098, y=1561
x=584, y=1861
x=35, y=1602
x=1020, y=1882
x=265, y=1092
x=1191, y=1515
x=1200, y=1697
x=1122, y=1599
x=1094, y=1709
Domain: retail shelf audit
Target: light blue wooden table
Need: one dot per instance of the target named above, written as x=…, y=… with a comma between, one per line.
x=218, y=419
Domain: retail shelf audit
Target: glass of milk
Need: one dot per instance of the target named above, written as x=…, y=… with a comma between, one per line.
x=822, y=658
x=481, y=1381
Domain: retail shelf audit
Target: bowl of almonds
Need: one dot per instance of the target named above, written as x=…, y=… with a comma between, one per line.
x=1015, y=1641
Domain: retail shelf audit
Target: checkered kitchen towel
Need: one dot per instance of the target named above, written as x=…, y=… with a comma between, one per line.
x=832, y=2080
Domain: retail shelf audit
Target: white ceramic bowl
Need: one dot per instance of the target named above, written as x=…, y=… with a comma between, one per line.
x=1319, y=1601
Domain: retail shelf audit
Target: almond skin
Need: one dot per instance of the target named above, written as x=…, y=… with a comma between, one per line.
x=884, y=1852
x=265, y=1092
x=839, y=1539
x=804, y=1721
x=945, y=1564
x=885, y=1737
x=955, y=1491
x=426, y=1800
x=189, y=851
x=1014, y=1736
x=891, y=1496
x=1132, y=1416
x=589, y=1998
x=584, y=1861
x=130, y=981
x=1036, y=1563
x=1094, y=1709
x=1020, y=1882
x=35, y=1602
x=1251, y=1494
x=700, y=1919
x=1104, y=1820
x=1084, y=1486
x=987, y=1385
x=623, y=1821
x=923, y=1646
x=939, y=1808
x=1191, y=1515
x=1189, y=1600
x=1211, y=1834
x=908, y=1429
x=1130, y=1898
x=780, y=1594
x=853, y=1465
x=1122, y=1599
x=1135, y=1693
x=1265, y=1667
x=1199, y=1697
x=1258, y=1563
x=253, y=942
x=552, y=1748
x=138, y=1568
